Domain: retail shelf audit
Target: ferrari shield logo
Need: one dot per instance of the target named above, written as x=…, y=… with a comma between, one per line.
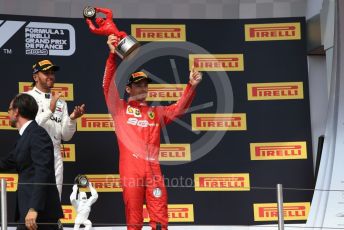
x=137, y=113
x=151, y=114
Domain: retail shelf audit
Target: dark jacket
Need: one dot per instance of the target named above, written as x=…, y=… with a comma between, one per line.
x=33, y=158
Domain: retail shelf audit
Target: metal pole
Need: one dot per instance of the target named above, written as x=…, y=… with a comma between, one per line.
x=3, y=204
x=280, y=206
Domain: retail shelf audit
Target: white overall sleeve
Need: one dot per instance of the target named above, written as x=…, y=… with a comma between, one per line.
x=72, y=197
x=68, y=126
x=94, y=195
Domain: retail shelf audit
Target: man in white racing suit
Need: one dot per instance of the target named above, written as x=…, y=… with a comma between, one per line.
x=82, y=206
x=53, y=112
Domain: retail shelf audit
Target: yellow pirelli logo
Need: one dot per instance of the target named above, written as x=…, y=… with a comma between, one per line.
x=5, y=121
x=275, y=91
x=95, y=122
x=291, y=211
x=272, y=32
x=69, y=214
x=175, y=152
x=219, y=122
x=222, y=182
x=66, y=89
x=165, y=92
x=11, y=181
x=217, y=62
x=278, y=151
x=159, y=32
x=105, y=182
x=176, y=213
x=68, y=152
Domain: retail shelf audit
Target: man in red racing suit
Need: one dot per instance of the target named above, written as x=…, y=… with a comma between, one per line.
x=137, y=127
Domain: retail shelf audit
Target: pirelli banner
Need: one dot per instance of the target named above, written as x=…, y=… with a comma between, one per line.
x=247, y=129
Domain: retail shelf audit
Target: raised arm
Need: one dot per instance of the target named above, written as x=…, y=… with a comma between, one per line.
x=94, y=195
x=171, y=112
x=109, y=86
x=93, y=28
x=105, y=11
x=72, y=197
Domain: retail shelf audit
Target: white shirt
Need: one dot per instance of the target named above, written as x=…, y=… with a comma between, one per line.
x=22, y=129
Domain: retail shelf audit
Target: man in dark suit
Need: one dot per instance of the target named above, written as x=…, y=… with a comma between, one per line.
x=38, y=202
